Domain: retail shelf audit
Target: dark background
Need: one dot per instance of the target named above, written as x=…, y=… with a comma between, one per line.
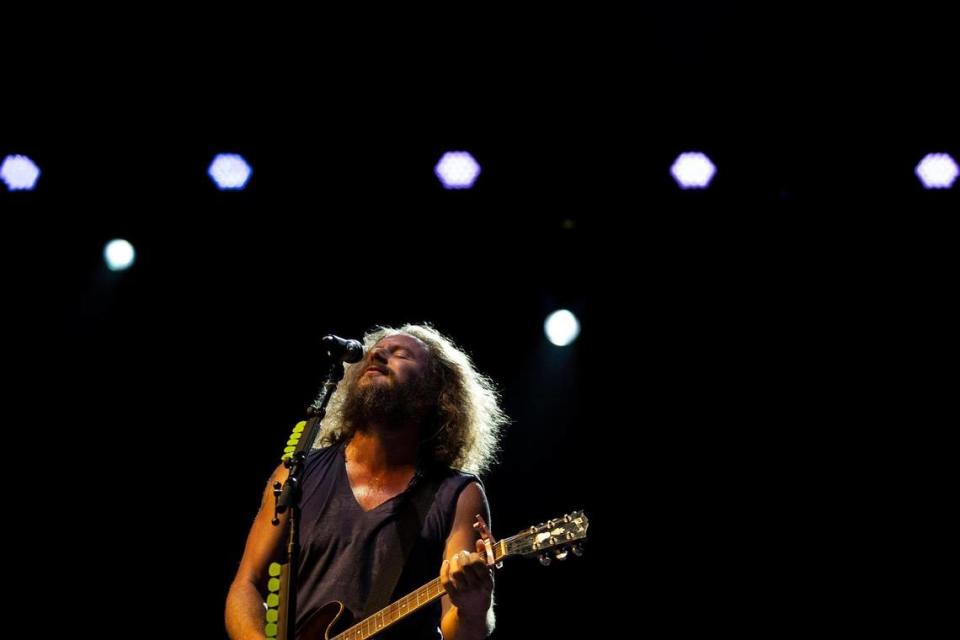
x=749, y=418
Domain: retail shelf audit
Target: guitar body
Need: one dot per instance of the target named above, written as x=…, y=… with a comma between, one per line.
x=326, y=622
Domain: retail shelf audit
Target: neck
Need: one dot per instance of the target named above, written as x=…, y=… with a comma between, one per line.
x=378, y=448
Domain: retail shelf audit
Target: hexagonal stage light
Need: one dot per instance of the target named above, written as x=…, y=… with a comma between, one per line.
x=937, y=171
x=19, y=173
x=693, y=170
x=457, y=170
x=229, y=171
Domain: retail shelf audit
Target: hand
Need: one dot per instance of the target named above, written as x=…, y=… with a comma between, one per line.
x=468, y=581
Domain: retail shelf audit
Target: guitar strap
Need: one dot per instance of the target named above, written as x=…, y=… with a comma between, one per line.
x=409, y=523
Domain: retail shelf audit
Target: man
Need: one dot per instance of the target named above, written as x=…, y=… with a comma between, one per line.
x=413, y=410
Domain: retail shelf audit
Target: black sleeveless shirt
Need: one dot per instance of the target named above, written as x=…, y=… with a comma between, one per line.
x=344, y=548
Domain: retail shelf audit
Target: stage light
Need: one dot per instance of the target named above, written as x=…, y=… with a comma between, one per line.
x=229, y=171
x=119, y=255
x=693, y=170
x=457, y=170
x=561, y=327
x=937, y=171
x=19, y=173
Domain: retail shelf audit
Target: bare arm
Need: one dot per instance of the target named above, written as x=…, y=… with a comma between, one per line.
x=244, y=615
x=468, y=605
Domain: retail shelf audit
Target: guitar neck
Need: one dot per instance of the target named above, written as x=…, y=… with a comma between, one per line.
x=405, y=606
x=394, y=612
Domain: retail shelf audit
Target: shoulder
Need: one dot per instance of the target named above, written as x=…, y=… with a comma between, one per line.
x=452, y=484
x=315, y=458
x=324, y=455
x=471, y=502
x=458, y=494
x=465, y=499
x=325, y=451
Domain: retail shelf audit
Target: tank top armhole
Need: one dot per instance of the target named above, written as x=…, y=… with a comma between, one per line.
x=463, y=480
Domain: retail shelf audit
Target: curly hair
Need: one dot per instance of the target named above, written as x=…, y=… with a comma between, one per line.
x=463, y=432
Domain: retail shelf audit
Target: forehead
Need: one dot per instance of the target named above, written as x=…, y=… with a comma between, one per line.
x=403, y=341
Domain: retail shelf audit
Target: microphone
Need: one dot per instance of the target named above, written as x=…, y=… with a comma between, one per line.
x=339, y=349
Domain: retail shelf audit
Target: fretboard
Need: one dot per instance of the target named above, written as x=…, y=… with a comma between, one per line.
x=394, y=612
x=405, y=606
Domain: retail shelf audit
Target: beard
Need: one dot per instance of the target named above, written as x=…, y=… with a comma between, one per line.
x=387, y=403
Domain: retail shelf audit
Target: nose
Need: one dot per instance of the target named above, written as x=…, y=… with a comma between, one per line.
x=378, y=354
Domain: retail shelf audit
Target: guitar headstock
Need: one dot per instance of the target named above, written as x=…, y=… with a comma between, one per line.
x=555, y=538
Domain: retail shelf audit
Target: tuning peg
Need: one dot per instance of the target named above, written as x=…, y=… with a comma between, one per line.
x=561, y=554
x=577, y=550
x=545, y=559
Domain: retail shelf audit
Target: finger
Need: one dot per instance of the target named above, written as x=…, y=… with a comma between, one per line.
x=445, y=580
x=458, y=577
x=479, y=573
x=482, y=553
x=466, y=578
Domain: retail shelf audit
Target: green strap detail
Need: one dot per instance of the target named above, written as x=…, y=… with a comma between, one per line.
x=294, y=440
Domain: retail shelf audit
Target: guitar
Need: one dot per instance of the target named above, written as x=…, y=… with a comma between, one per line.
x=552, y=539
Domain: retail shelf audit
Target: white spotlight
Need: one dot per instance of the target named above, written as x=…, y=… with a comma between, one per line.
x=20, y=173
x=693, y=170
x=562, y=327
x=937, y=171
x=229, y=171
x=457, y=170
x=119, y=255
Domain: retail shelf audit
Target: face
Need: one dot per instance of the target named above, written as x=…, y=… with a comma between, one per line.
x=398, y=361
x=392, y=382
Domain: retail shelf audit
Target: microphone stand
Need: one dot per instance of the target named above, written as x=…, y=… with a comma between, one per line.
x=288, y=497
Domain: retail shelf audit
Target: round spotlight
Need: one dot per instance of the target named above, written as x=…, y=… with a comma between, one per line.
x=693, y=170
x=229, y=171
x=562, y=327
x=937, y=171
x=457, y=170
x=19, y=173
x=119, y=255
